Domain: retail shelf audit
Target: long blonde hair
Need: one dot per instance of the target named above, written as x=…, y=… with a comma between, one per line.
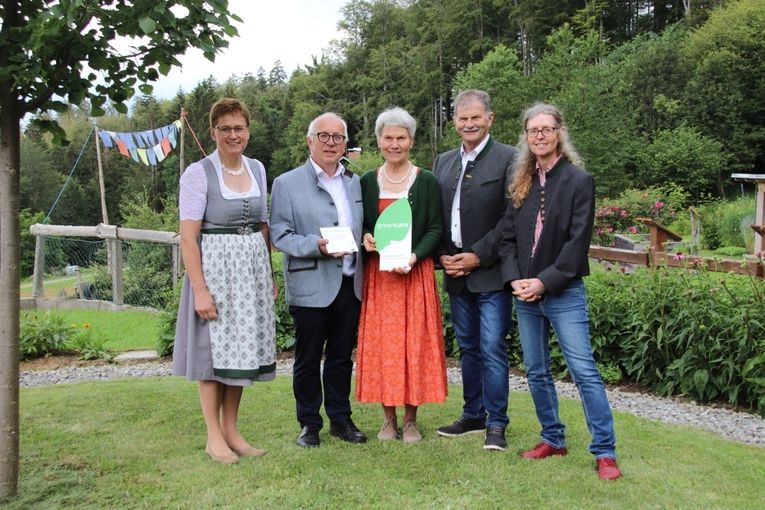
x=525, y=162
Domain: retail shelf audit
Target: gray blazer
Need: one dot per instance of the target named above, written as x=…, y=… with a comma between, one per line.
x=300, y=205
x=482, y=204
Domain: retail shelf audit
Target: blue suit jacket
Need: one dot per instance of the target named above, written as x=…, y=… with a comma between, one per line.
x=300, y=205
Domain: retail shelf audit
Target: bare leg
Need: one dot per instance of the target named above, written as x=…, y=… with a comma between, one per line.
x=411, y=434
x=211, y=398
x=410, y=413
x=232, y=395
x=389, y=429
x=390, y=414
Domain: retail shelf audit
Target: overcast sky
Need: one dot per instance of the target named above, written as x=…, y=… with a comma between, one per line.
x=287, y=30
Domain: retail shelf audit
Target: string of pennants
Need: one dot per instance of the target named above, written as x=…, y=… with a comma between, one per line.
x=147, y=147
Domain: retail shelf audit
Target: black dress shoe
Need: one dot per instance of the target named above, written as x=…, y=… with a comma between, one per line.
x=347, y=431
x=309, y=437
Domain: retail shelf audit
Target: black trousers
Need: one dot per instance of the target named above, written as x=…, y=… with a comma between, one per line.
x=336, y=326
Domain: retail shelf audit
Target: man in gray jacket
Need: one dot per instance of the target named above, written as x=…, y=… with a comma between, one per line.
x=323, y=288
x=474, y=180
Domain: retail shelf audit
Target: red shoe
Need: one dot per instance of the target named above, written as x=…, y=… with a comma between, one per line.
x=543, y=450
x=607, y=469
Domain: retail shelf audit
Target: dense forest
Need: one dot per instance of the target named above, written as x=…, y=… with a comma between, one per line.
x=655, y=92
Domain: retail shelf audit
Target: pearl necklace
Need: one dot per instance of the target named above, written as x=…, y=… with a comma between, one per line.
x=233, y=171
x=405, y=177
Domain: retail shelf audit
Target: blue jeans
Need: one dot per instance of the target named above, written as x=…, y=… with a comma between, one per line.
x=567, y=312
x=481, y=321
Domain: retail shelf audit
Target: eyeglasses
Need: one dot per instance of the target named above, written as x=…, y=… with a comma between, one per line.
x=547, y=131
x=324, y=137
x=227, y=130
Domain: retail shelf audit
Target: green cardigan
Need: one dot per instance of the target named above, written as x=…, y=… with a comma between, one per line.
x=425, y=199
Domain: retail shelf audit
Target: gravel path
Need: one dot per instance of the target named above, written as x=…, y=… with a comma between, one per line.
x=738, y=426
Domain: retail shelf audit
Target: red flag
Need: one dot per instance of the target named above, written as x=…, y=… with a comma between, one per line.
x=123, y=148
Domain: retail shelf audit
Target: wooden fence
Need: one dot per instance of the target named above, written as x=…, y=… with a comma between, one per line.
x=113, y=236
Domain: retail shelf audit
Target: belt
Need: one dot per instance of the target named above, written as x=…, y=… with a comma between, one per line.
x=241, y=230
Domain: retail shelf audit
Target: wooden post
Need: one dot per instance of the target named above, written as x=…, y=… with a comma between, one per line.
x=176, y=264
x=182, y=144
x=759, y=206
x=659, y=234
x=695, y=227
x=37, y=278
x=182, y=141
x=117, y=289
x=113, y=246
x=759, y=217
x=104, y=215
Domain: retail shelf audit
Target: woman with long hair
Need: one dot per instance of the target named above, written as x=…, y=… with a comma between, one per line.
x=546, y=238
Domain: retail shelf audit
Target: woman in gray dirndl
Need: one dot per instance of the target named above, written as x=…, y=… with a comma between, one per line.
x=225, y=334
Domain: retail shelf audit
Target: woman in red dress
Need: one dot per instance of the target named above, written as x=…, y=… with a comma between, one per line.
x=400, y=359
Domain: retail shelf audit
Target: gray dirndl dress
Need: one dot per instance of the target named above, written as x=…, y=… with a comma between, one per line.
x=239, y=347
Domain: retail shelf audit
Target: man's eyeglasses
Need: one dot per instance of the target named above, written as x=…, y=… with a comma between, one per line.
x=227, y=130
x=547, y=131
x=324, y=137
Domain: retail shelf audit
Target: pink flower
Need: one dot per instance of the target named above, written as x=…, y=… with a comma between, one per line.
x=659, y=204
x=633, y=229
x=678, y=256
x=623, y=213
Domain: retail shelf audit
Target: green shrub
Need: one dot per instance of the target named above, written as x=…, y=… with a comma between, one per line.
x=167, y=320
x=619, y=216
x=43, y=333
x=47, y=333
x=285, y=331
x=731, y=251
x=683, y=332
x=610, y=372
x=727, y=223
x=88, y=343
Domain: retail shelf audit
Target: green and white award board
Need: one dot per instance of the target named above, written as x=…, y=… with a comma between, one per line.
x=393, y=235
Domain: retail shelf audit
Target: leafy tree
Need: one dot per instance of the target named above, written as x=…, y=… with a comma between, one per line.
x=500, y=74
x=52, y=52
x=726, y=91
x=685, y=157
x=198, y=104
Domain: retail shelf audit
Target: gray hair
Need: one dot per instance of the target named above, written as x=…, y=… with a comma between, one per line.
x=395, y=117
x=473, y=95
x=312, y=125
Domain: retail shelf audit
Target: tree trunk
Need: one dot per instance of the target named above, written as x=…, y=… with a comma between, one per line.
x=9, y=295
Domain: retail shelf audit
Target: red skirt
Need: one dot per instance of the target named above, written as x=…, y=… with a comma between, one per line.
x=400, y=357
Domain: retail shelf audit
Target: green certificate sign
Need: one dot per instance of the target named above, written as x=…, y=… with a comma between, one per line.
x=393, y=235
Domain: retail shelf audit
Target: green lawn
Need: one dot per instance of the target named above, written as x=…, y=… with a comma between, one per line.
x=52, y=285
x=125, y=330
x=140, y=444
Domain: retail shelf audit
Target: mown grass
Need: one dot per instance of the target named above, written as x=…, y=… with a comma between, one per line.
x=140, y=444
x=124, y=330
x=52, y=285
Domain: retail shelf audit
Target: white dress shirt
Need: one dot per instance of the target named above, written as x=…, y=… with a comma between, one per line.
x=335, y=185
x=455, y=220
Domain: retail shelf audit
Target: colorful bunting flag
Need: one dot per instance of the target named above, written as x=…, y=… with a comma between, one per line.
x=148, y=147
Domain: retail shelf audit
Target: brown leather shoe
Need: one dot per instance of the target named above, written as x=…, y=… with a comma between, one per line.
x=543, y=450
x=607, y=469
